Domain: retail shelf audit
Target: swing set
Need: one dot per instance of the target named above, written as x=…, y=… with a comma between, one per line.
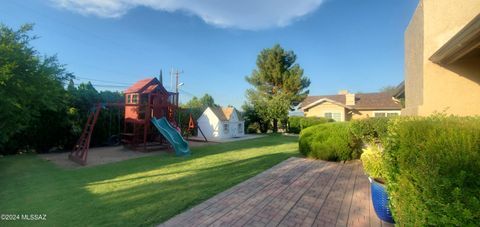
x=192, y=126
x=145, y=102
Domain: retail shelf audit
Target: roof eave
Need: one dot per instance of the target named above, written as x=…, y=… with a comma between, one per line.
x=465, y=41
x=325, y=100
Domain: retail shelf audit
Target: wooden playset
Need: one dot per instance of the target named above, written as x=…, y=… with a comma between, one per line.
x=145, y=102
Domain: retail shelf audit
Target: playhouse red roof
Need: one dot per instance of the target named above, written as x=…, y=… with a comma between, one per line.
x=144, y=86
x=150, y=89
x=139, y=85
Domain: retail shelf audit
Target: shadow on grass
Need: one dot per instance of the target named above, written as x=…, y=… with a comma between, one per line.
x=152, y=202
x=143, y=191
x=164, y=160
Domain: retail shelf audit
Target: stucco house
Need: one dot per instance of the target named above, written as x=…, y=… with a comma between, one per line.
x=346, y=106
x=221, y=123
x=442, y=59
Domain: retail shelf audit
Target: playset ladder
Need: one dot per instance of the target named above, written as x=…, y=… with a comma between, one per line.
x=80, y=151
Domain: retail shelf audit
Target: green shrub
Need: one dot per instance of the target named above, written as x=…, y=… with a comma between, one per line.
x=332, y=141
x=294, y=124
x=311, y=121
x=253, y=128
x=298, y=123
x=370, y=130
x=373, y=163
x=433, y=169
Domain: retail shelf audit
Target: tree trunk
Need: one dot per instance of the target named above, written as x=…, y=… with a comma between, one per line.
x=275, y=125
x=264, y=127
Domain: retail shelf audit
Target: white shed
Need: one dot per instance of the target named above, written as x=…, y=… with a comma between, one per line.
x=221, y=123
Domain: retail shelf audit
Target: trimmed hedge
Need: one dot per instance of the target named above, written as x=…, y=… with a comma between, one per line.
x=370, y=130
x=294, y=124
x=298, y=123
x=331, y=141
x=431, y=164
x=433, y=170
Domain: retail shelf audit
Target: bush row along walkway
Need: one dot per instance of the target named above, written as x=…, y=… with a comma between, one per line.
x=296, y=192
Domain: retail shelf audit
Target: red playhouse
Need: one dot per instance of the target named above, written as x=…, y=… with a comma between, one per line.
x=149, y=109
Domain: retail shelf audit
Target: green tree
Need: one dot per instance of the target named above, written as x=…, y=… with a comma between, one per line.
x=82, y=100
x=253, y=119
x=278, y=84
x=195, y=107
x=32, y=91
x=205, y=101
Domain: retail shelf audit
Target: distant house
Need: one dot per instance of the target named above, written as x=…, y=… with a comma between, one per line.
x=346, y=106
x=221, y=123
x=442, y=59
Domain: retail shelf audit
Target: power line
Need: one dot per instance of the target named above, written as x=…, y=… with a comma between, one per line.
x=104, y=81
x=114, y=84
x=107, y=85
x=187, y=93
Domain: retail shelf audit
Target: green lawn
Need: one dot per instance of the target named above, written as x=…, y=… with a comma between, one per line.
x=143, y=191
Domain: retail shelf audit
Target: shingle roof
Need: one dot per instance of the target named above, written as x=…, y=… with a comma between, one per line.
x=366, y=101
x=144, y=86
x=219, y=113
x=224, y=114
x=149, y=88
x=230, y=110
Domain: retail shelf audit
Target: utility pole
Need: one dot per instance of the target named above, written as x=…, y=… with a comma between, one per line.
x=177, y=74
x=161, y=77
x=171, y=79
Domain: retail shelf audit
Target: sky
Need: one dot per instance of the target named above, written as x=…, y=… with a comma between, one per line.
x=357, y=45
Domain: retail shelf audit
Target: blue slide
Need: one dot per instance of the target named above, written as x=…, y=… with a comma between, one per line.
x=172, y=135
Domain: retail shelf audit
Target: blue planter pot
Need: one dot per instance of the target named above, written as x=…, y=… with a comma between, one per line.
x=380, y=201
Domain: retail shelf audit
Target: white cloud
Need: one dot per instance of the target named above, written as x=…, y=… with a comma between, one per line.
x=242, y=14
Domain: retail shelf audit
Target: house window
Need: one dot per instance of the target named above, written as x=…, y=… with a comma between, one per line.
x=132, y=99
x=392, y=114
x=386, y=114
x=225, y=128
x=240, y=128
x=135, y=98
x=335, y=116
x=380, y=114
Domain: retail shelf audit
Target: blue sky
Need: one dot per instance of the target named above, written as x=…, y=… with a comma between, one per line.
x=341, y=44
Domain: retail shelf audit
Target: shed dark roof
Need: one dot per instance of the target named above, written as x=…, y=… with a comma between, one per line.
x=219, y=113
x=366, y=101
x=224, y=114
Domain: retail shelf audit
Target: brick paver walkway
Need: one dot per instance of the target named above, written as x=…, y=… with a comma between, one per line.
x=296, y=192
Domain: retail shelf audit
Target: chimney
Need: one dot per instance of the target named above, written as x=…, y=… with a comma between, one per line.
x=349, y=99
x=343, y=92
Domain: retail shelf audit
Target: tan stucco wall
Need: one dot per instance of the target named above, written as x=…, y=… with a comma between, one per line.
x=320, y=109
x=429, y=87
x=347, y=115
x=414, y=63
